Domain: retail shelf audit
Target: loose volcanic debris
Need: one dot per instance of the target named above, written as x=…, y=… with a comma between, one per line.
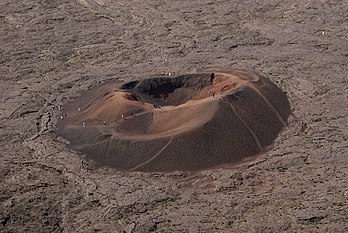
x=188, y=122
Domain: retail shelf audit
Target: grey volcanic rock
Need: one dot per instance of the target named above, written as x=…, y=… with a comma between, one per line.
x=51, y=52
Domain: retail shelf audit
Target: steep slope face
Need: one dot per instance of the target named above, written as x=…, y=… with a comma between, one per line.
x=188, y=122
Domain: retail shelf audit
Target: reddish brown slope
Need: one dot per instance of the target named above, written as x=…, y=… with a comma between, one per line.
x=189, y=122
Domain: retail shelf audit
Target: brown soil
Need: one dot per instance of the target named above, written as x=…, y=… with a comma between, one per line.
x=185, y=123
x=52, y=51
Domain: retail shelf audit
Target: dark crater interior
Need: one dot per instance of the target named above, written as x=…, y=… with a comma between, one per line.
x=168, y=91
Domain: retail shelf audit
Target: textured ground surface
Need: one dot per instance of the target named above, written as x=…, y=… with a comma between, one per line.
x=52, y=50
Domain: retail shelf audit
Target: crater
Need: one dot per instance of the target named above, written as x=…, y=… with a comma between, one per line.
x=189, y=122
